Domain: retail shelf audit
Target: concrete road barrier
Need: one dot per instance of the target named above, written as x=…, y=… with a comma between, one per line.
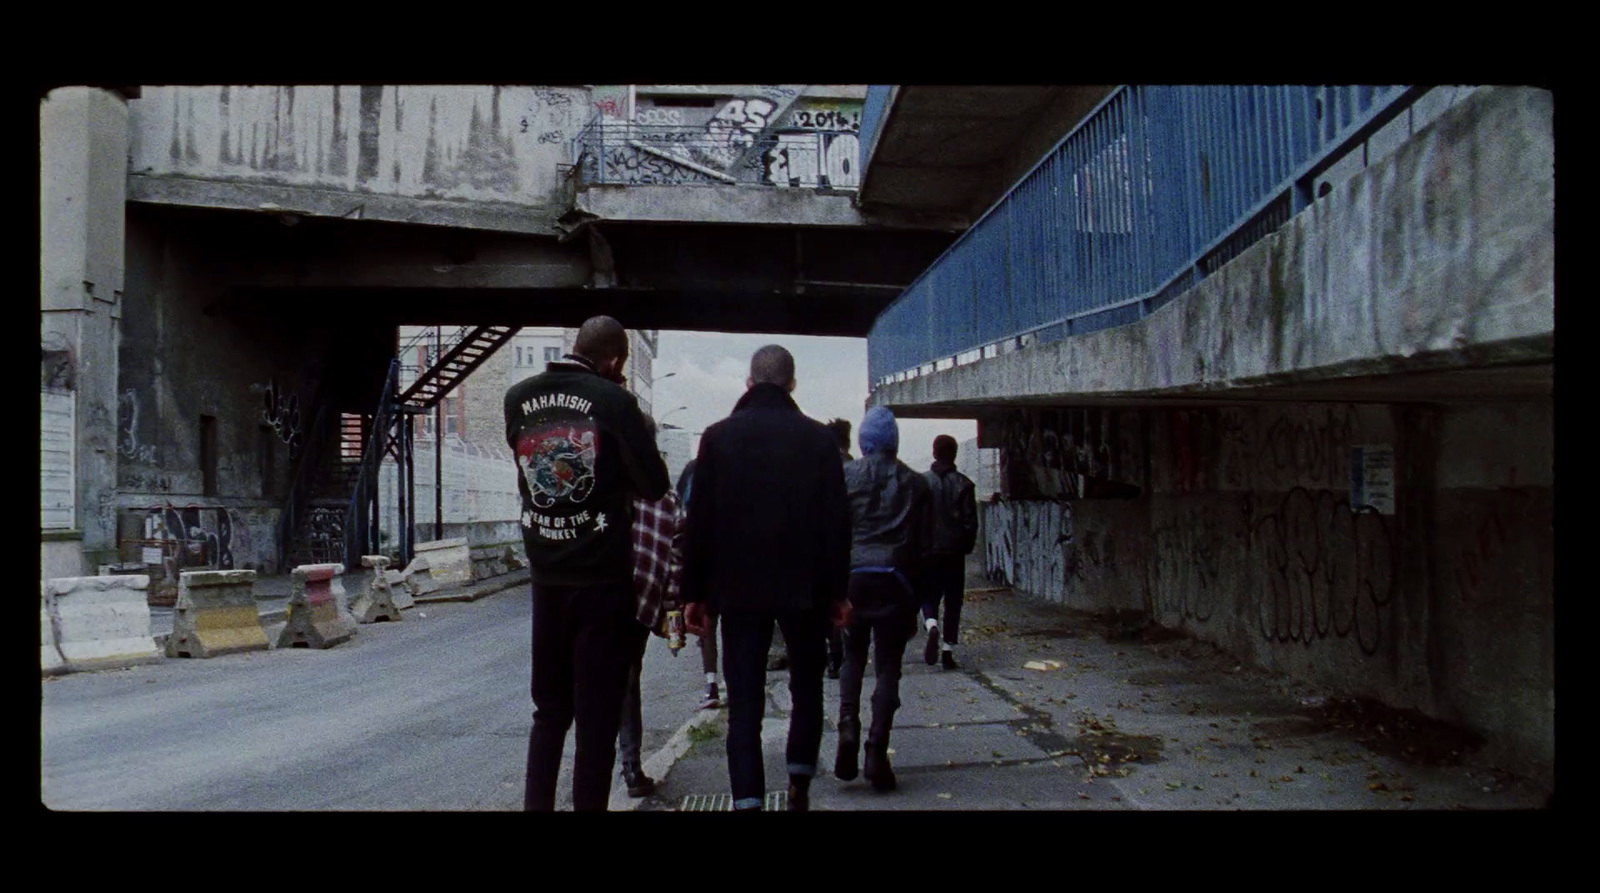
x=375, y=601
x=400, y=589
x=216, y=614
x=418, y=579
x=317, y=619
x=101, y=622
x=449, y=561
x=50, y=660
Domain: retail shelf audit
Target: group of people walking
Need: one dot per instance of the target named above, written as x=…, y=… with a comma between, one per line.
x=774, y=526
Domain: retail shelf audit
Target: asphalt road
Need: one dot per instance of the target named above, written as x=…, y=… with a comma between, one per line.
x=431, y=713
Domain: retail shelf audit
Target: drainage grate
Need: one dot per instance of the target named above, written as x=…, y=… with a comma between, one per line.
x=777, y=801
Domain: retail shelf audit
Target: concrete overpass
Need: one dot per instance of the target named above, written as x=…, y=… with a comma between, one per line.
x=209, y=248
x=1294, y=397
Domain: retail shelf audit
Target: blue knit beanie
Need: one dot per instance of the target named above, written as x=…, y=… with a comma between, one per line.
x=879, y=433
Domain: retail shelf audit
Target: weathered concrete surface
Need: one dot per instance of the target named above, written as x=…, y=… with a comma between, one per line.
x=1114, y=721
x=479, y=157
x=83, y=135
x=1442, y=256
x=449, y=561
x=400, y=589
x=216, y=615
x=374, y=601
x=50, y=660
x=101, y=622
x=748, y=205
x=318, y=617
x=1249, y=533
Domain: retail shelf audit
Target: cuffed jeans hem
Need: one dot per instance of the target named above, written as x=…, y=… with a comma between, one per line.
x=748, y=803
x=806, y=769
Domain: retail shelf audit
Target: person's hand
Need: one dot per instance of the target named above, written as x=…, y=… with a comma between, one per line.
x=694, y=617
x=841, y=613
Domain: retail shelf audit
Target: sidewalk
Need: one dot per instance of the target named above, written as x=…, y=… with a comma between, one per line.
x=273, y=592
x=1104, y=721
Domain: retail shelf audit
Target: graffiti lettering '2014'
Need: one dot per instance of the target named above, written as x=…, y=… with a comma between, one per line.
x=819, y=119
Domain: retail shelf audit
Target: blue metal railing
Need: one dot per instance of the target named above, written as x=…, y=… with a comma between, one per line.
x=1154, y=190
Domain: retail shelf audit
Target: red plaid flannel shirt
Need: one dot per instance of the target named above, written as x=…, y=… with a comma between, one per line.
x=657, y=557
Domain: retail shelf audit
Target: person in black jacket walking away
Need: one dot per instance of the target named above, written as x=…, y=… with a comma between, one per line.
x=584, y=454
x=841, y=430
x=769, y=540
x=955, y=532
x=708, y=634
x=891, y=526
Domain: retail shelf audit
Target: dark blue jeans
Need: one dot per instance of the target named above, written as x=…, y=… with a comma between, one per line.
x=880, y=626
x=584, y=639
x=945, y=577
x=745, y=640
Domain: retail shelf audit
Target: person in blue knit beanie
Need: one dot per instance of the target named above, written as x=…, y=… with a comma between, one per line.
x=891, y=527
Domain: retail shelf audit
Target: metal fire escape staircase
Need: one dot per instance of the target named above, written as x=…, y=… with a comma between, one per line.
x=470, y=349
x=389, y=433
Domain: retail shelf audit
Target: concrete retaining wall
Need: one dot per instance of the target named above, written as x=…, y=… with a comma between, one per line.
x=1434, y=592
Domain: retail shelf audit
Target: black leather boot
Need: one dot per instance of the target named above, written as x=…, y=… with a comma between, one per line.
x=799, y=793
x=877, y=769
x=844, y=762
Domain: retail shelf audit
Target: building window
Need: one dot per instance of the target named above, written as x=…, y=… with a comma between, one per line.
x=519, y=356
x=208, y=455
x=552, y=354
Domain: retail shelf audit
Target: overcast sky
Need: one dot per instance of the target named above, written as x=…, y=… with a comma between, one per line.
x=708, y=372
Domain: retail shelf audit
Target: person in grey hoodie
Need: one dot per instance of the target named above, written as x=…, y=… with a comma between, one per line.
x=891, y=530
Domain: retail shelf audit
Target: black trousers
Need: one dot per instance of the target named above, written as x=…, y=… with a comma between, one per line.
x=945, y=576
x=745, y=640
x=882, y=609
x=584, y=639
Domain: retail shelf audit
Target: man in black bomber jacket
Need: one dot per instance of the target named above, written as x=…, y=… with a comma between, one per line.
x=583, y=452
x=769, y=540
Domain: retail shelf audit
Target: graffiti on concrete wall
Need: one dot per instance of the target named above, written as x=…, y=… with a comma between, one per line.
x=1259, y=450
x=815, y=160
x=1187, y=550
x=1027, y=546
x=999, y=557
x=1325, y=570
x=771, y=139
x=282, y=412
x=634, y=165
x=194, y=537
x=128, y=445
x=840, y=117
x=1489, y=535
x=1068, y=454
x=734, y=129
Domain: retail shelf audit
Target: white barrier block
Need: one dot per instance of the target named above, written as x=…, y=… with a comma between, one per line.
x=103, y=621
x=50, y=660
